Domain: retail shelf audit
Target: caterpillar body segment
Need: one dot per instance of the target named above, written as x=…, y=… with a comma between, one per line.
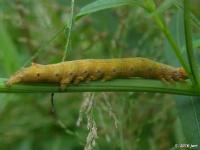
x=76, y=71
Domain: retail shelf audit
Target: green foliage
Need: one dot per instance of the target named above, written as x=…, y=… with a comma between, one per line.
x=102, y=4
x=9, y=54
x=34, y=30
x=140, y=85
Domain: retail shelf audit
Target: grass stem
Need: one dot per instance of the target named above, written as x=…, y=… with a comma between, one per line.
x=117, y=85
x=188, y=41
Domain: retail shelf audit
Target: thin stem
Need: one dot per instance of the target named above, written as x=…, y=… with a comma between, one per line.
x=53, y=110
x=151, y=7
x=69, y=32
x=41, y=47
x=126, y=85
x=188, y=40
x=172, y=42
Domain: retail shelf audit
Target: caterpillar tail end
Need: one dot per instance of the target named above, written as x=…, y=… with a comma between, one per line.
x=8, y=83
x=12, y=80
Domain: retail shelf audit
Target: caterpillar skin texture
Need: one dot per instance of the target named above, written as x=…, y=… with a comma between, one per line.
x=76, y=71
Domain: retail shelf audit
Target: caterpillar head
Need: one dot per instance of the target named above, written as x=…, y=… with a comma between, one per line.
x=180, y=74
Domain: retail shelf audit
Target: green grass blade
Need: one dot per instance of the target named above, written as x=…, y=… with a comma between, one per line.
x=188, y=111
x=195, y=20
x=127, y=85
x=187, y=106
x=176, y=27
x=195, y=43
x=151, y=7
x=69, y=31
x=103, y=4
x=44, y=45
x=189, y=46
x=9, y=54
x=164, y=6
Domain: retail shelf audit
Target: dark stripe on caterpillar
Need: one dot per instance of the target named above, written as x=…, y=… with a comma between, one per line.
x=76, y=71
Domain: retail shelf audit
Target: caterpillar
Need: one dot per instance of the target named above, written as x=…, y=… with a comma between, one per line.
x=76, y=71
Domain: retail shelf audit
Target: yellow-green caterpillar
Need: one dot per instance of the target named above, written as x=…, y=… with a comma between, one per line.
x=76, y=71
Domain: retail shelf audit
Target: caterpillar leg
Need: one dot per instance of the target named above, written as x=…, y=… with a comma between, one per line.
x=164, y=80
x=78, y=80
x=92, y=78
x=182, y=80
x=171, y=80
x=64, y=83
x=167, y=80
x=87, y=80
x=106, y=78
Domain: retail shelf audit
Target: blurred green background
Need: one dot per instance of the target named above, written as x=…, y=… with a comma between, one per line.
x=144, y=121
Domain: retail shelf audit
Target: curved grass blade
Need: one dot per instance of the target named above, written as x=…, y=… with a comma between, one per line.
x=187, y=106
x=103, y=4
x=188, y=111
x=9, y=54
x=164, y=6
